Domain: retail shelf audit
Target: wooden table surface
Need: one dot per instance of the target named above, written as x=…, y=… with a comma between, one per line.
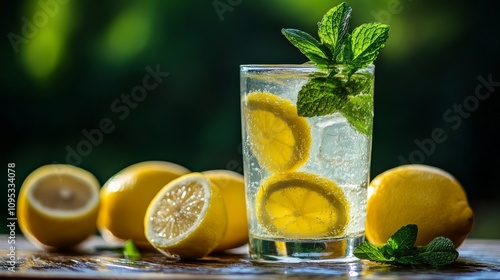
x=479, y=259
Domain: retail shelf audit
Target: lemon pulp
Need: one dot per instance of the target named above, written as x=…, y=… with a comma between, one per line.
x=57, y=206
x=302, y=205
x=278, y=137
x=187, y=218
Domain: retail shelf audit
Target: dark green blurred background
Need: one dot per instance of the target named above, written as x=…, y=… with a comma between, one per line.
x=67, y=66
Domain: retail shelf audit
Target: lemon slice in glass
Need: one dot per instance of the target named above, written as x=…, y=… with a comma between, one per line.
x=187, y=218
x=278, y=137
x=302, y=205
x=57, y=206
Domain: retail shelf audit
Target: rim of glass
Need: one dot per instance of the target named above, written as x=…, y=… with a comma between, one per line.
x=305, y=67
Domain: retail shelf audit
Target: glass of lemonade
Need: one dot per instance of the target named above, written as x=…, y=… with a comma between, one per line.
x=305, y=177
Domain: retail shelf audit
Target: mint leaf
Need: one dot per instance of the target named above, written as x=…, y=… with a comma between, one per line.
x=363, y=45
x=321, y=96
x=439, y=252
x=400, y=249
x=309, y=46
x=359, y=112
x=334, y=27
x=130, y=251
x=359, y=84
x=411, y=260
x=337, y=49
x=368, y=251
x=402, y=242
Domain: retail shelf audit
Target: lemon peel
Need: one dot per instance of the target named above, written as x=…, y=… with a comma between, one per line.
x=418, y=194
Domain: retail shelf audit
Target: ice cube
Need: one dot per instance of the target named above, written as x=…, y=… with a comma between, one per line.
x=344, y=152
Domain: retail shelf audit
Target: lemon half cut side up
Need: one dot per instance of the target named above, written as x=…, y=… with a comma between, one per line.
x=58, y=206
x=187, y=218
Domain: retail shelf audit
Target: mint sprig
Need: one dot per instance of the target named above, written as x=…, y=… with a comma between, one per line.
x=400, y=249
x=336, y=46
x=323, y=95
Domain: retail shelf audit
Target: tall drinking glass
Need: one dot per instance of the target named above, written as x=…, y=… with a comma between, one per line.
x=305, y=177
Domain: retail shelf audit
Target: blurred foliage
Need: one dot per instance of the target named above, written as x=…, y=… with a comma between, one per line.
x=68, y=65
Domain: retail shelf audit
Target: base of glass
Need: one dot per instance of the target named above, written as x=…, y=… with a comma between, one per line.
x=331, y=250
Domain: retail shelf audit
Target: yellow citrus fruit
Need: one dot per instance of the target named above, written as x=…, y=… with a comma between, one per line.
x=126, y=196
x=417, y=194
x=57, y=206
x=232, y=188
x=302, y=205
x=187, y=218
x=278, y=137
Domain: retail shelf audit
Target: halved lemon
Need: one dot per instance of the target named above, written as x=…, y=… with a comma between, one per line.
x=57, y=206
x=232, y=188
x=278, y=137
x=302, y=205
x=126, y=196
x=187, y=219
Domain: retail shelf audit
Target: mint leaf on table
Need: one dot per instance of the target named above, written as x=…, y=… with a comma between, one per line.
x=400, y=249
x=130, y=251
x=368, y=251
x=401, y=243
x=337, y=47
x=438, y=252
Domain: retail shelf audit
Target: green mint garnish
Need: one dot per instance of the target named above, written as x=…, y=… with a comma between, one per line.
x=334, y=29
x=400, y=250
x=308, y=45
x=130, y=251
x=329, y=94
x=316, y=97
x=358, y=112
x=323, y=95
x=363, y=45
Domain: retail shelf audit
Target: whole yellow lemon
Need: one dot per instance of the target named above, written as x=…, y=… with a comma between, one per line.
x=126, y=196
x=418, y=194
